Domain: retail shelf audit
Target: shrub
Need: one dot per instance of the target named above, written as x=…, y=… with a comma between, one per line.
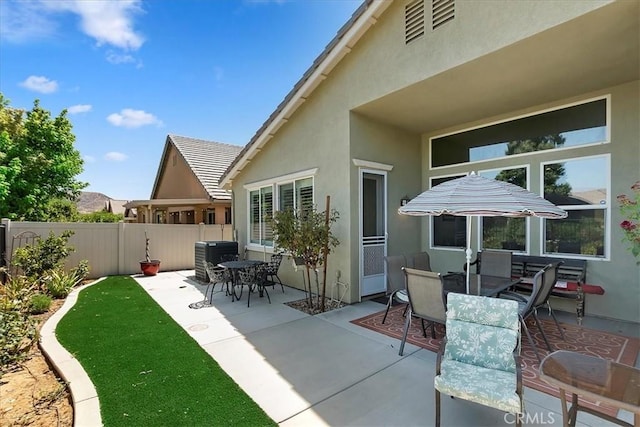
x=45, y=255
x=17, y=335
x=59, y=283
x=17, y=328
x=39, y=304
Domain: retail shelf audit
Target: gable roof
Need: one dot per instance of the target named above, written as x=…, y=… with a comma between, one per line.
x=362, y=19
x=207, y=159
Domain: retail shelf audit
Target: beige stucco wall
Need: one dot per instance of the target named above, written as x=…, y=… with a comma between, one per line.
x=326, y=133
x=177, y=181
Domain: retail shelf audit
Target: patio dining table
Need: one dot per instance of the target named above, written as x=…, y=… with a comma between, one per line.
x=234, y=267
x=479, y=284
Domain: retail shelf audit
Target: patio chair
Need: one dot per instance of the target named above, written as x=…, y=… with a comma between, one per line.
x=426, y=301
x=272, y=271
x=216, y=275
x=493, y=263
x=419, y=261
x=255, y=279
x=479, y=358
x=543, y=283
x=395, y=282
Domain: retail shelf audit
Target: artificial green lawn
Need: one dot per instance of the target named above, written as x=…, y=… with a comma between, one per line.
x=146, y=369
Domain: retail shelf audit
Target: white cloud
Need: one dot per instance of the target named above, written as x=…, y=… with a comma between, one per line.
x=80, y=108
x=114, y=156
x=119, y=58
x=24, y=21
x=108, y=22
x=89, y=159
x=40, y=84
x=129, y=118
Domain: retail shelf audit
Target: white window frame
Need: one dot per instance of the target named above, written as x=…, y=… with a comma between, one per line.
x=275, y=183
x=607, y=208
x=431, y=217
x=607, y=138
x=527, y=227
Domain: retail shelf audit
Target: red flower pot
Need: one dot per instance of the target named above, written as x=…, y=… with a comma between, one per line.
x=150, y=268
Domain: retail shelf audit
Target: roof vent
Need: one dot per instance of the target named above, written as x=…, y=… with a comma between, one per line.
x=442, y=11
x=413, y=20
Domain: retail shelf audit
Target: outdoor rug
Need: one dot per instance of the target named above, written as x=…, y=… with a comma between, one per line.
x=588, y=341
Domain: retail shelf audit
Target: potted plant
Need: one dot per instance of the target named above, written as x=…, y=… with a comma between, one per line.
x=149, y=266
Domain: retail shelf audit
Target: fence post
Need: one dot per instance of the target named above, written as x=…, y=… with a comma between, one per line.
x=201, y=231
x=121, y=248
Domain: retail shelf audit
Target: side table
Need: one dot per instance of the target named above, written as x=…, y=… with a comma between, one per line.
x=591, y=377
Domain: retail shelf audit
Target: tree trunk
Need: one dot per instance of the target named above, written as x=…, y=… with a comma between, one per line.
x=325, y=255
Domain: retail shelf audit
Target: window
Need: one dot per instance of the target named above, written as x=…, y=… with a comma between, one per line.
x=211, y=216
x=293, y=191
x=227, y=215
x=566, y=127
x=260, y=214
x=448, y=230
x=580, y=187
x=502, y=232
x=297, y=195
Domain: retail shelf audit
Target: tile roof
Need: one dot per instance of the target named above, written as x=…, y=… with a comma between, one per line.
x=208, y=160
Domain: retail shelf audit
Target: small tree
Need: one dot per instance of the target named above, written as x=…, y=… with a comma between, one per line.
x=38, y=161
x=306, y=235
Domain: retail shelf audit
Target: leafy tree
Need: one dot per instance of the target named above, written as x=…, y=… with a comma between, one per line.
x=61, y=210
x=101, y=216
x=38, y=161
x=306, y=235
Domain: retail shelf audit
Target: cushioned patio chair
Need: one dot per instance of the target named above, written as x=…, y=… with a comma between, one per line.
x=395, y=281
x=426, y=301
x=479, y=359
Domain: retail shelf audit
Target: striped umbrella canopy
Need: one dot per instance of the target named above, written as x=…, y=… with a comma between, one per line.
x=475, y=195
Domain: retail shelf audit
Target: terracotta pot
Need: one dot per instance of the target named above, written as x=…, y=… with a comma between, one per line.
x=150, y=268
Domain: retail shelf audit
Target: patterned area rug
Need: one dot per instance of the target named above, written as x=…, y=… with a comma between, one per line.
x=588, y=341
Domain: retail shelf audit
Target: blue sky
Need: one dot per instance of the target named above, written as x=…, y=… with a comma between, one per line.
x=131, y=72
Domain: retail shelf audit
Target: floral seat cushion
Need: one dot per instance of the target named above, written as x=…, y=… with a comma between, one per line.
x=490, y=387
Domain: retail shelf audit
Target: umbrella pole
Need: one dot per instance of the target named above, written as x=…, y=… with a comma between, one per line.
x=468, y=251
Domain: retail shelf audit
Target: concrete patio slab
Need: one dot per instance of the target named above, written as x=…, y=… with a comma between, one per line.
x=312, y=370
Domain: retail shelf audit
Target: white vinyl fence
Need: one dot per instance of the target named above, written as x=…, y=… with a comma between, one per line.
x=118, y=248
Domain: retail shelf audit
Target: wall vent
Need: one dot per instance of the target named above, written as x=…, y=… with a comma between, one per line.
x=442, y=11
x=413, y=20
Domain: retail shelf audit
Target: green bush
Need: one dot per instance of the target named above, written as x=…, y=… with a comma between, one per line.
x=39, y=304
x=17, y=335
x=59, y=283
x=17, y=328
x=45, y=255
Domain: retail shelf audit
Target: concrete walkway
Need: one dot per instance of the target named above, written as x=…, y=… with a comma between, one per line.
x=322, y=370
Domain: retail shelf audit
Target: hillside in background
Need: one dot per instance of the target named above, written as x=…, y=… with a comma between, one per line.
x=90, y=201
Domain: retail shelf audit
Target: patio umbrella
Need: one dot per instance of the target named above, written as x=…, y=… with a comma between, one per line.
x=475, y=195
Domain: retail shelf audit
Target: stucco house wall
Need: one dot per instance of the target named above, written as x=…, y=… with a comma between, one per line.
x=178, y=180
x=385, y=100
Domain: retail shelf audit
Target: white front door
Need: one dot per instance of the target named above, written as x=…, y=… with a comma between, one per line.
x=373, y=231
